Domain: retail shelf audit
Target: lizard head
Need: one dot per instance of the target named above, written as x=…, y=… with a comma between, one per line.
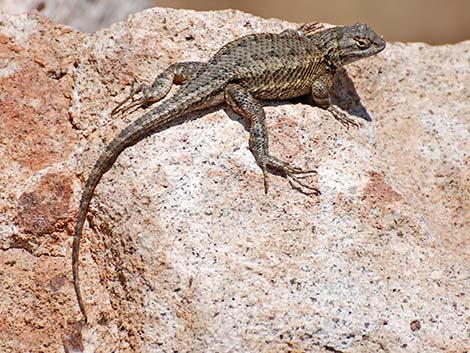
x=358, y=41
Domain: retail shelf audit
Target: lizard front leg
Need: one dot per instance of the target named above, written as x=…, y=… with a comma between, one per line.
x=248, y=107
x=321, y=96
x=144, y=95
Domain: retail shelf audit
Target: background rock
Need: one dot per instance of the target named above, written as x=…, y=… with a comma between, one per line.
x=85, y=15
x=396, y=20
x=186, y=253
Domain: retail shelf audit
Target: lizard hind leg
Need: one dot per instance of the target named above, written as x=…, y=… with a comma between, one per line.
x=143, y=95
x=246, y=105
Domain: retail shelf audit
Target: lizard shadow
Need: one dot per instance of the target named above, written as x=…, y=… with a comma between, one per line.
x=343, y=94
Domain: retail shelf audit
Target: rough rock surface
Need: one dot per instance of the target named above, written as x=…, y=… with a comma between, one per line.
x=87, y=16
x=184, y=252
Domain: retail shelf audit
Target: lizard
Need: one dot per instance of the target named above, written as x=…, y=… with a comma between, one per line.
x=243, y=73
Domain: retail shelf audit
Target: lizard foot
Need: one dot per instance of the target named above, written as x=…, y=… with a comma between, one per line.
x=294, y=175
x=304, y=30
x=311, y=27
x=342, y=117
x=297, y=183
x=130, y=101
x=141, y=96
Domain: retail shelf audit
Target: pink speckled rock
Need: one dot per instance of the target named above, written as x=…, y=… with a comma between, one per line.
x=184, y=252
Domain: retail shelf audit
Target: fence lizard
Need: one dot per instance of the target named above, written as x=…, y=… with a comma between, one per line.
x=242, y=73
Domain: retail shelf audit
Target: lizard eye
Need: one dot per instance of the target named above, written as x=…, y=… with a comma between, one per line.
x=362, y=43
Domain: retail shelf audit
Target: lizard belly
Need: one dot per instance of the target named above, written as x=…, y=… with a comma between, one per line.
x=280, y=92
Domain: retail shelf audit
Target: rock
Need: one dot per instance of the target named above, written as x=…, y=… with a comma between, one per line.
x=87, y=16
x=184, y=251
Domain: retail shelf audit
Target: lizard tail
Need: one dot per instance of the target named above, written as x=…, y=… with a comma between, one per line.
x=146, y=125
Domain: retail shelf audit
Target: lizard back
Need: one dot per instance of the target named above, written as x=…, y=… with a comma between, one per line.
x=270, y=66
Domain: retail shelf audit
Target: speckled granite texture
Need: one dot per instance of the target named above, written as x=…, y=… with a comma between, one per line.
x=184, y=252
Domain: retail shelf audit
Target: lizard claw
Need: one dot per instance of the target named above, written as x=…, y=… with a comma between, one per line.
x=295, y=176
x=265, y=181
x=122, y=107
x=342, y=117
x=132, y=100
x=297, y=183
x=310, y=28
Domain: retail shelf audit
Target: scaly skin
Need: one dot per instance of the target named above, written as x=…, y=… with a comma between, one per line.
x=242, y=73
